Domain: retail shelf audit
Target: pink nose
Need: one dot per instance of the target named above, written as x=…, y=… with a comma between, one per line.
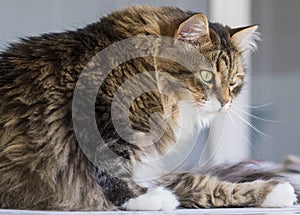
x=224, y=102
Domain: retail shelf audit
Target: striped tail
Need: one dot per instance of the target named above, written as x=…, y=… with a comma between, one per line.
x=251, y=170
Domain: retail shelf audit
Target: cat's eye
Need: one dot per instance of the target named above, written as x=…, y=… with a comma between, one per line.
x=233, y=81
x=207, y=76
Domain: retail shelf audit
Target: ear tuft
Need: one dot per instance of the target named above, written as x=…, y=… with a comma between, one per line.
x=245, y=38
x=193, y=28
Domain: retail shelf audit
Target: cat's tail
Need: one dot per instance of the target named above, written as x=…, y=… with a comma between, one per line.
x=251, y=170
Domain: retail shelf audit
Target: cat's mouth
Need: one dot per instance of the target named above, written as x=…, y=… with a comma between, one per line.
x=226, y=107
x=213, y=105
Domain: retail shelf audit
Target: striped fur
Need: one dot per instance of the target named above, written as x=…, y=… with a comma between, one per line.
x=41, y=163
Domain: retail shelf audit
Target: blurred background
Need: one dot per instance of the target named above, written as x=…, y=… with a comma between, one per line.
x=270, y=101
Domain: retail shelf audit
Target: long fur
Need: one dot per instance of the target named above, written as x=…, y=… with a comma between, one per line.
x=42, y=165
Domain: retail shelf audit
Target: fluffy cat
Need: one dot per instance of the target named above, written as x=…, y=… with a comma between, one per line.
x=42, y=165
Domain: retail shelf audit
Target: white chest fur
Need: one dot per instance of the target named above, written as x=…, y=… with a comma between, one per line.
x=189, y=123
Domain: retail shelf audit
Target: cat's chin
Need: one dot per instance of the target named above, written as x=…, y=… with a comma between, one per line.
x=225, y=108
x=207, y=117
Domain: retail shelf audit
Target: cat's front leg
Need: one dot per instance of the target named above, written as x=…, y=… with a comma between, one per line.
x=198, y=191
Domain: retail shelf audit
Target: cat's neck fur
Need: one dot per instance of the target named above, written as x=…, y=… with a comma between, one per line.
x=190, y=120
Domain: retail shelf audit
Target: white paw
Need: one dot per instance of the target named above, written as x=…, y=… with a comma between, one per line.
x=154, y=200
x=283, y=195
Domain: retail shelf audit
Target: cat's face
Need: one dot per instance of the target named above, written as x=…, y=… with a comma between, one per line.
x=222, y=47
x=224, y=81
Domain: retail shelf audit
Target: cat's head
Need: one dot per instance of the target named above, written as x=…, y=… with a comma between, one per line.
x=223, y=48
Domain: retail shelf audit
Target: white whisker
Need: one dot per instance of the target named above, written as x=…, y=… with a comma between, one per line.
x=257, y=117
x=253, y=107
x=250, y=125
x=239, y=130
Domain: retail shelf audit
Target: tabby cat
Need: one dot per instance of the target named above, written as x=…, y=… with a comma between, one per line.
x=49, y=159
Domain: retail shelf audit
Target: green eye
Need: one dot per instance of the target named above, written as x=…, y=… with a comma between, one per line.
x=233, y=81
x=207, y=76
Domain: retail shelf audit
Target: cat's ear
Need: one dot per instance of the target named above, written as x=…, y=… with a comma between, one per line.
x=244, y=38
x=193, y=28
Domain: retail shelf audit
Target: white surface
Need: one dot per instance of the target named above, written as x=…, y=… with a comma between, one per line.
x=240, y=211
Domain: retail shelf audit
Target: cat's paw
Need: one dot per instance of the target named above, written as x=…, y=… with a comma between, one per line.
x=282, y=195
x=156, y=199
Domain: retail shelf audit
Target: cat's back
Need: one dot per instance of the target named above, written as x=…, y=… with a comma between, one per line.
x=55, y=60
x=72, y=48
x=38, y=74
x=144, y=19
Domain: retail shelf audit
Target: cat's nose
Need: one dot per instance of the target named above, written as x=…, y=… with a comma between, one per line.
x=224, y=102
x=225, y=105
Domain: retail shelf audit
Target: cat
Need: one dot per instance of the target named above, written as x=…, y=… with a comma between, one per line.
x=46, y=148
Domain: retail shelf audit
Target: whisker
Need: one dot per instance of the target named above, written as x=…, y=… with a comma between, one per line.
x=250, y=125
x=257, y=117
x=239, y=130
x=253, y=107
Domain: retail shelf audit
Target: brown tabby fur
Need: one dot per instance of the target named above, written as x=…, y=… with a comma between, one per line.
x=41, y=163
